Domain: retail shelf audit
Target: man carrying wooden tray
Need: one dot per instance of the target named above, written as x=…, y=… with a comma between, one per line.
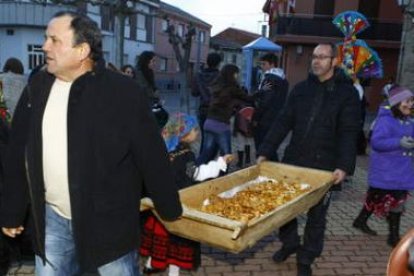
x=323, y=113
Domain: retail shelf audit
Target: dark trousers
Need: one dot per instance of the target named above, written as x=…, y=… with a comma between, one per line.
x=202, y=117
x=313, y=239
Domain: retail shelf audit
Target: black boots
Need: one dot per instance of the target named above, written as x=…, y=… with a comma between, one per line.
x=247, y=153
x=304, y=269
x=394, y=227
x=243, y=157
x=282, y=254
x=361, y=222
x=240, y=159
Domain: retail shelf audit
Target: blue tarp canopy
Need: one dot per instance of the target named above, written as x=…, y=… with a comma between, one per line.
x=260, y=44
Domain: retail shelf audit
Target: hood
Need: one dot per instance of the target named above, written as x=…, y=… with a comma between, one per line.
x=384, y=111
x=277, y=72
x=207, y=76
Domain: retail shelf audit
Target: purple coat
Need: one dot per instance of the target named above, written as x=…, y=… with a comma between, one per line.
x=391, y=166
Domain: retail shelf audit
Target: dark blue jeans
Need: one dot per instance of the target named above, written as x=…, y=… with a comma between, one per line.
x=61, y=253
x=213, y=143
x=313, y=239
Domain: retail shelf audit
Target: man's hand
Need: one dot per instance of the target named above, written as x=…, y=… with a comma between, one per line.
x=12, y=232
x=267, y=86
x=260, y=159
x=338, y=176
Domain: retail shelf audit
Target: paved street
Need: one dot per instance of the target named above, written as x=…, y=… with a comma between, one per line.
x=347, y=251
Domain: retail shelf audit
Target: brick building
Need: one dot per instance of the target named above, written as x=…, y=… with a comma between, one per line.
x=166, y=73
x=300, y=27
x=229, y=43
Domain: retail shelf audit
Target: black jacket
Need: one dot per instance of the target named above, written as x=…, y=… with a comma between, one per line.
x=324, y=119
x=183, y=164
x=225, y=99
x=269, y=103
x=114, y=150
x=201, y=87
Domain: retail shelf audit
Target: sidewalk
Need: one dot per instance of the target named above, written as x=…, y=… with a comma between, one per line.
x=347, y=251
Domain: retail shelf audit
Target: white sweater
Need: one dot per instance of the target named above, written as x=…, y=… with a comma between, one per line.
x=55, y=148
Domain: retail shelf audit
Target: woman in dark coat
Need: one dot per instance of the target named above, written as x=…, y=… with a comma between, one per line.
x=145, y=75
x=226, y=96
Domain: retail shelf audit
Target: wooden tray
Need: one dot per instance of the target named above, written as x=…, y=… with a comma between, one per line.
x=235, y=236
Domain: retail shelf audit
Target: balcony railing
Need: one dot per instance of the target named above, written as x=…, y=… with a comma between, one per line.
x=16, y=13
x=322, y=26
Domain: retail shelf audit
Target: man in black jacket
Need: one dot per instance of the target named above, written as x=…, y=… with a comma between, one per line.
x=201, y=88
x=270, y=99
x=323, y=113
x=83, y=145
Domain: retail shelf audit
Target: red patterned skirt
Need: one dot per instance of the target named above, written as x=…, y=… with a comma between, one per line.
x=165, y=248
x=381, y=202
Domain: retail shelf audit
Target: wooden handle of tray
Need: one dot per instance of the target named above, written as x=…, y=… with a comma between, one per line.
x=238, y=231
x=146, y=204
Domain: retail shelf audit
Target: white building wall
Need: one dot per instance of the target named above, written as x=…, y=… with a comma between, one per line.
x=16, y=45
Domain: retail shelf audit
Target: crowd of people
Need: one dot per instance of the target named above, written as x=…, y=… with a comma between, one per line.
x=77, y=152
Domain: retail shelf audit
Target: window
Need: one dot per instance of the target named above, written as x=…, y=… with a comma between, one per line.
x=234, y=58
x=164, y=25
x=35, y=54
x=202, y=36
x=163, y=64
x=107, y=19
x=127, y=28
x=142, y=32
x=180, y=30
x=324, y=7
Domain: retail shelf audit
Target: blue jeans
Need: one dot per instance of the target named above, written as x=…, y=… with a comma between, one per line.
x=214, y=142
x=61, y=253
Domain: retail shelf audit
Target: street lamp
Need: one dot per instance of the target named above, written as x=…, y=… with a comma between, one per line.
x=405, y=5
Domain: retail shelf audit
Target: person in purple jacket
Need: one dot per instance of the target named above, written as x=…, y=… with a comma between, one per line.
x=391, y=171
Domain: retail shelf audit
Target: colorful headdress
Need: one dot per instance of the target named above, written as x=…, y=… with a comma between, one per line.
x=357, y=58
x=179, y=125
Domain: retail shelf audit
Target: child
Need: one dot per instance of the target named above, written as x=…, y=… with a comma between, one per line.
x=162, y=248
x=390, y=173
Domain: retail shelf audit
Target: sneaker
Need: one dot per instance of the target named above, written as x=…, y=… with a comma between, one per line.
x=282, y=254
x=304, y=269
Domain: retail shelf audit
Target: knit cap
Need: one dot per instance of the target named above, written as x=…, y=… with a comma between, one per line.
x=399, y=94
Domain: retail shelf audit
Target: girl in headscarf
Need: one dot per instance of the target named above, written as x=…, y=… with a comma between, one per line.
x=162, y=248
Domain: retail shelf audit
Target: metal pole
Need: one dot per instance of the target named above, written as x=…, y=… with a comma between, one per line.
x=402, y=50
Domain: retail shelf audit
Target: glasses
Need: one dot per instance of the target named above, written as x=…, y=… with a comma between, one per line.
x=321, y=57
